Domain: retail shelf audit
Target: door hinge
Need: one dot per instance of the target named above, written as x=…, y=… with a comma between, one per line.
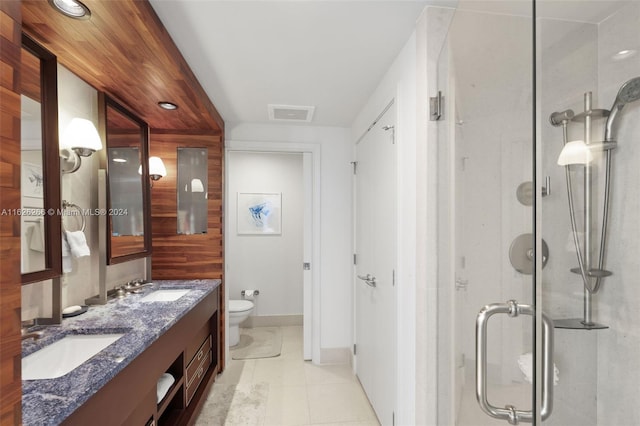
x=355, y=167
x=436, y=107
x=355, y=259
x=393, y=278
x=393, y=132
x=354, y=348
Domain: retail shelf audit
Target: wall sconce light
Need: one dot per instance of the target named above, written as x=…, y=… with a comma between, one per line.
x=157, y=170
x=80, y=139
x=577, y=152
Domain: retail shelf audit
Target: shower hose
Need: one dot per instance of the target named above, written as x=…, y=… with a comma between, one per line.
x=591, y=288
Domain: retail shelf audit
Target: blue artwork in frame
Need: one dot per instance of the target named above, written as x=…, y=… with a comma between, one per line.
x=259, y=213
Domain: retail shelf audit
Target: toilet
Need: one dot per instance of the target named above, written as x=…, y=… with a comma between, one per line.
x=239, y=310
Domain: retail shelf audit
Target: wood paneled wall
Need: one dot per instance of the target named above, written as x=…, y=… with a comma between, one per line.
x=124, y=50
x=186, y=256
x=10, y=280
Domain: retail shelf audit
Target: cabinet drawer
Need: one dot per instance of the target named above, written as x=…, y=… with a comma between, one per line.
x=196, y=343
x=194, y=364
x=197, y=376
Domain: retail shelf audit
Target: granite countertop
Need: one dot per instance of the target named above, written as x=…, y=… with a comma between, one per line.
x=50, y=401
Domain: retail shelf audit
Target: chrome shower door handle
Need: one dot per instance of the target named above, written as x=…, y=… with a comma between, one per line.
x=509, y=412
x=369, y=279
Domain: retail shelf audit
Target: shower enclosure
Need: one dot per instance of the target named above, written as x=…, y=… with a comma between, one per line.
x=539, y=213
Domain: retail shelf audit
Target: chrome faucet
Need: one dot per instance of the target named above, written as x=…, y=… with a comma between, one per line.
x=135, y=286
x=26, y=334
x=35, y=335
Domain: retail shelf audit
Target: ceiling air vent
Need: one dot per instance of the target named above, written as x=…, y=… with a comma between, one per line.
x=290, y=113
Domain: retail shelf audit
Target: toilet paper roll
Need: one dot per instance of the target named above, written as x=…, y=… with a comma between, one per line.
x=249, y=294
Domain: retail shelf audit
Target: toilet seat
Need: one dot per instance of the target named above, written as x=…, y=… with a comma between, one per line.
x=240, y=305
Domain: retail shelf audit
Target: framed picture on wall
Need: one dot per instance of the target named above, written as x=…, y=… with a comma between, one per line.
x=32, y=180
x=259, y=213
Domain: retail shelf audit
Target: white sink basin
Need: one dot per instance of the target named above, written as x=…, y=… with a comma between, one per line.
x=60, y=357
x=168, y=295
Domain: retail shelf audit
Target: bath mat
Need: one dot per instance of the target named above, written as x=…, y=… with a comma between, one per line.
x=258, y=342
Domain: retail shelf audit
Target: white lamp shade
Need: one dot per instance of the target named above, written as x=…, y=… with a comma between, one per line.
x=81, y=133
x=156, y=167
x=575, y=152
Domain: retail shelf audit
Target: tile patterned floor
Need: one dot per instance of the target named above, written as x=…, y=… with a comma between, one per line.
x=286, y=391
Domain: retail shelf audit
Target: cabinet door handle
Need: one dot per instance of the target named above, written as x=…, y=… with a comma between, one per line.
x=200, y=371
x=200, y=354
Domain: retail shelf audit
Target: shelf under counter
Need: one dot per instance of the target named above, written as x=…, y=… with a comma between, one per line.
x=116, y=380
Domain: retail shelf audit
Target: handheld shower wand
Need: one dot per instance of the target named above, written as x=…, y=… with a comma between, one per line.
x=629, y=92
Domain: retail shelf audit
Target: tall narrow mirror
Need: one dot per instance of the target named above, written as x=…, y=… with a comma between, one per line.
x=129, y=226
x=39, y=165
x=192, y=190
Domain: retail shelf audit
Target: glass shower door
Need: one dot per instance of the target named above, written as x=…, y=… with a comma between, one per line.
x=486, y=222
x=538, y=214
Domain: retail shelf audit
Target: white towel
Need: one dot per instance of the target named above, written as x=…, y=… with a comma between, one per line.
x=77, y=243
x=35, y=237
x=164, y=384
x=525, y=362
x=67, y=263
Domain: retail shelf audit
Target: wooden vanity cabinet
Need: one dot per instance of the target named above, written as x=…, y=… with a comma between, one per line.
x=188, y=351
x=200, y=368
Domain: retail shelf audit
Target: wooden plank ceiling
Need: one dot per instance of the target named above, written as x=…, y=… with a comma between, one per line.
x=124, y=50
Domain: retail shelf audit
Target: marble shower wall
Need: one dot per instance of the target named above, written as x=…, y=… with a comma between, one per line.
x=599, y=371
x=618, y=355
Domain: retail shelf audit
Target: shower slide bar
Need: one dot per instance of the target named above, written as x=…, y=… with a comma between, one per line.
x=509, y=412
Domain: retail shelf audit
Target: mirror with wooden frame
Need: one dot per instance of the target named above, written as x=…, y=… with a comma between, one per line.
x=128, y=198
x=40, y=213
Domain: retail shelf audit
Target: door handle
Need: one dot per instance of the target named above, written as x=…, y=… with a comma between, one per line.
x=369, y=279
x=509, y=412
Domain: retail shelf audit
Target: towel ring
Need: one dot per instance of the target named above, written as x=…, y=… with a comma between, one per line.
x=68, y=205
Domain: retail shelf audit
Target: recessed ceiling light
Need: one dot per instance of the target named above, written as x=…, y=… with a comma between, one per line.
x=624, y=54
x=119, y=160
x=168, y=105
x=71, y=8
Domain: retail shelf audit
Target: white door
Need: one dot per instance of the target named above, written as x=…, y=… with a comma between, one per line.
x=375, y=266
x=307, y=254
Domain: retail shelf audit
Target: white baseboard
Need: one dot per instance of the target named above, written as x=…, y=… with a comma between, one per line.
x=272, y=321
x=335, y=356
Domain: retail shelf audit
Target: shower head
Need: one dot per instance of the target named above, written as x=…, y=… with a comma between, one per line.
x=629, y=92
